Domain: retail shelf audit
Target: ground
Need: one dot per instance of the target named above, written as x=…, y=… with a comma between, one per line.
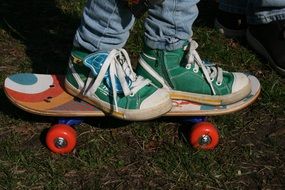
x=36, y=36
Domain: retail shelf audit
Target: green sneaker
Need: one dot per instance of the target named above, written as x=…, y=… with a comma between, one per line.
x=187, y=77
x=107, y=81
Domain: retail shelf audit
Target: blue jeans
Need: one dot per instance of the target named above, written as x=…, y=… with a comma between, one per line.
x=106, y=24
x=256, y=11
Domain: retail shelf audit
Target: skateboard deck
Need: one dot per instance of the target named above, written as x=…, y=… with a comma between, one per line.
x=44, y=94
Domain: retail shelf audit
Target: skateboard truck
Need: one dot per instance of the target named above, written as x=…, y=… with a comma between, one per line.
x=139, y=7
x=70, y=121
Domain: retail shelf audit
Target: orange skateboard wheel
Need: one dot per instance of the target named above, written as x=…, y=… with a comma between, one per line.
x=204, y=135
x=61, y=139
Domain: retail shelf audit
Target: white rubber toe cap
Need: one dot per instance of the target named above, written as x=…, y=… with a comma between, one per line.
x=241, y=83
x=156, y=100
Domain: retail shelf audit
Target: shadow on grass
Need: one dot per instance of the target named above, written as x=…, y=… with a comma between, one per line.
x=45, y=31
x=207, y=13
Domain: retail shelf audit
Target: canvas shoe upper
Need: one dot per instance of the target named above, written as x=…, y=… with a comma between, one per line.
x=187, y=77
x=107, y=80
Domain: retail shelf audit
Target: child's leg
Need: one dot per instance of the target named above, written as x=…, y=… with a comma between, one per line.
x=170, y=59
x=105, y=25
x=100, y=72
x=169, y=25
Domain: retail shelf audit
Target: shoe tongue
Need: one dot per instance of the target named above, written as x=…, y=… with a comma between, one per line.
x=95, y=61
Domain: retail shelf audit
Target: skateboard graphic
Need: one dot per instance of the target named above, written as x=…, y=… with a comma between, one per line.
x=44, y=94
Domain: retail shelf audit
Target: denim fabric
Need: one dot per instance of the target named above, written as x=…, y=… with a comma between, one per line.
x=106, y=25
x=169, y=25
x=257, y=11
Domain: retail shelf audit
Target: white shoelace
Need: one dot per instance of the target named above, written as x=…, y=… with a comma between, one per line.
x=119, y=66
x=210, y=71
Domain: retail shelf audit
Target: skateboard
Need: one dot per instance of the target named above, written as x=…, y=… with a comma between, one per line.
x=44, y=94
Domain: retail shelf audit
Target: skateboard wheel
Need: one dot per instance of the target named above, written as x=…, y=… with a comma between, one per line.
x=61, y=138
x=204, y=135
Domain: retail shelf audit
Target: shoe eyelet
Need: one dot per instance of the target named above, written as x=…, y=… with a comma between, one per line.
x=212, y=79
x=218, y=83
x=132, y=94
x=188, y=67
x=195, y=70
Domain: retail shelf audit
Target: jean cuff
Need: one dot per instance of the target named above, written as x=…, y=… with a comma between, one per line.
x=169, y=45
x=262, y=19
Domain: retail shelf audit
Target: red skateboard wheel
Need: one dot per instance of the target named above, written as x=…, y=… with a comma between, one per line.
x=204, y=135
x=61, y=138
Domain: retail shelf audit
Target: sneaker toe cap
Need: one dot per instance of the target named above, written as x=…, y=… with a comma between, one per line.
x=159, y=98
x=241, y=83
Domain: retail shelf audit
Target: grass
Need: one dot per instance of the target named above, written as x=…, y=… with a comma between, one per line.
x=36, y=36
